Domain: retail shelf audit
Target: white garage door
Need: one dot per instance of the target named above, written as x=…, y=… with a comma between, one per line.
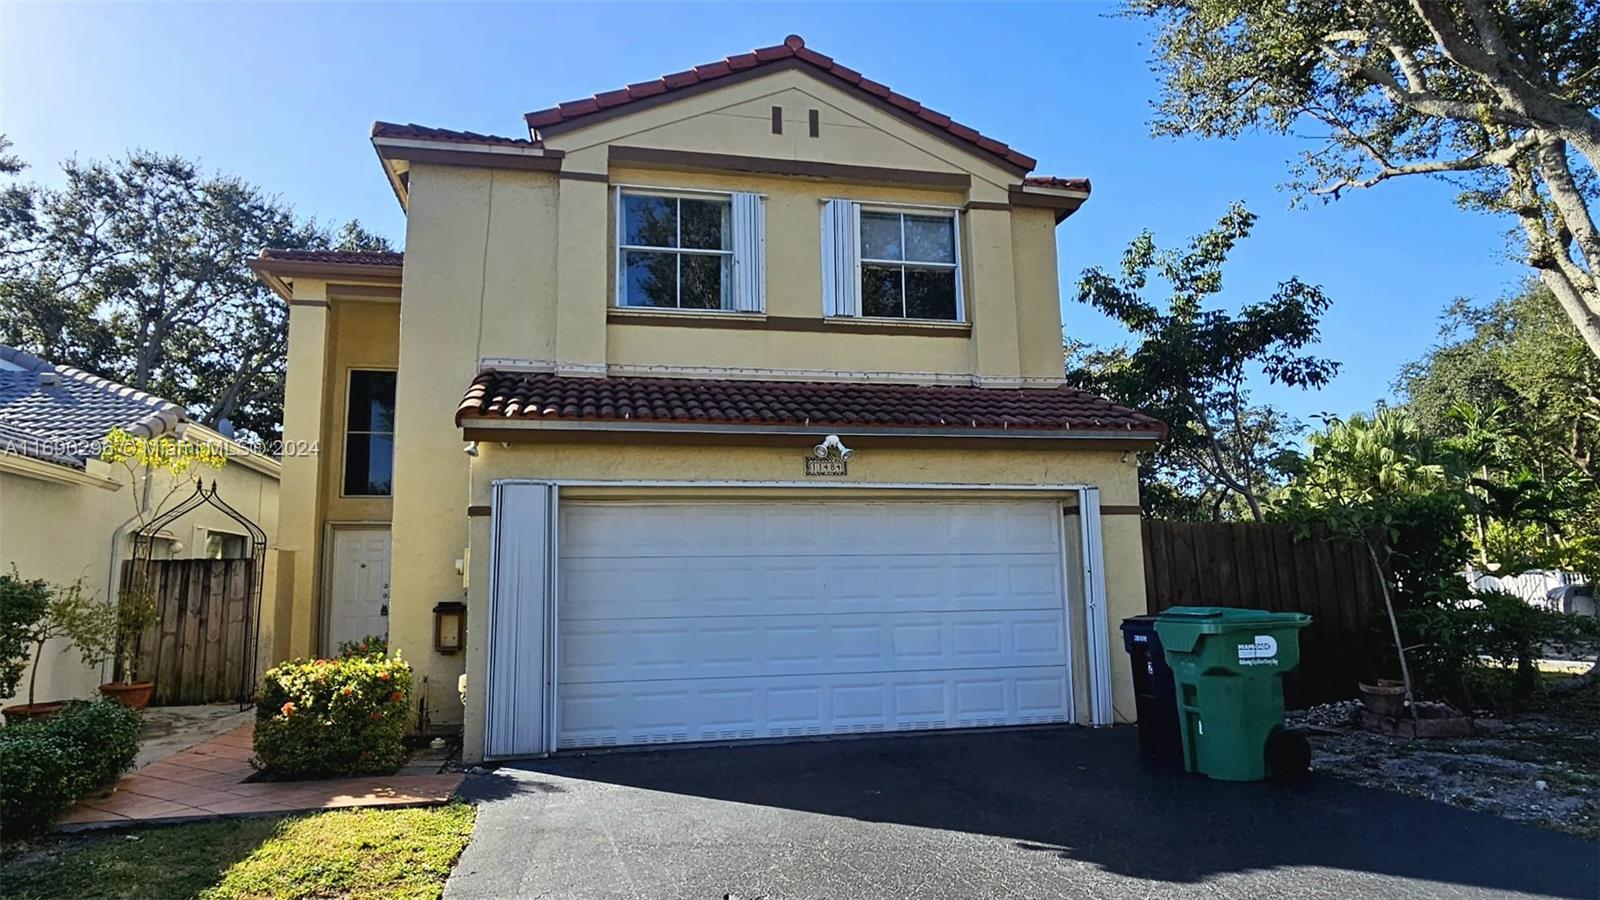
x=717, y=621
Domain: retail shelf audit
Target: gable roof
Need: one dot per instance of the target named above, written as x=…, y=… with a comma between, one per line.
x=792, y=52
x=59, y=414
x=854, y=406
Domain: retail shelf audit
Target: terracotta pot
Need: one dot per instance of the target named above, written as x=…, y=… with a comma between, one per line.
x=133, y=696
x=25, y=712
x=1386, y=698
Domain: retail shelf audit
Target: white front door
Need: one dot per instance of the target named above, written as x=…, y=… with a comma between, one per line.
x=759, y=619
x=360, y=601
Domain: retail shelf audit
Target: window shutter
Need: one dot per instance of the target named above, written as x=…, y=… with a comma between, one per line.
x=749, y=253
x=841, y=258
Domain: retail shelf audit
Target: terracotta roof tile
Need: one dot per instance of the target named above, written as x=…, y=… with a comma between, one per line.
x=793, y=47
x=545, y=397
x=338, y=257
x=425, y=133
x=1065, y=184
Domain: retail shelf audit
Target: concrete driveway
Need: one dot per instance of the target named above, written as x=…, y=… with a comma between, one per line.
x=1061, y=812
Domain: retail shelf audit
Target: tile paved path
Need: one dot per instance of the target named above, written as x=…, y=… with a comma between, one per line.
x=208, y=780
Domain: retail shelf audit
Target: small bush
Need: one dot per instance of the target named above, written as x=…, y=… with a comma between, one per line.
x=327, y=718
x=103, y=737
x=1457, y=641
x=371, y=645
x=46, y=766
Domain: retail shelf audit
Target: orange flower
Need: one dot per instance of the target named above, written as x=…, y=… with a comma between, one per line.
x=383, y=676
x=287, y=709
x=347, y=690
x=377, y=714
x=397, y=696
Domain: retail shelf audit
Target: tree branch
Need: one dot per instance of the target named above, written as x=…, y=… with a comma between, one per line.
x=1498, y=157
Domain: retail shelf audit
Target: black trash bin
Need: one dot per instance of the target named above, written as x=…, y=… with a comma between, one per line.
x=1154, y=693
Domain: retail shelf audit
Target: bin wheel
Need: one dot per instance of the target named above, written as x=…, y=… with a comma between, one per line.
x=1288, y=756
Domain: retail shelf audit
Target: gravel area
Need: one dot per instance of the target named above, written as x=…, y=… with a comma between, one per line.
x=1540, y=767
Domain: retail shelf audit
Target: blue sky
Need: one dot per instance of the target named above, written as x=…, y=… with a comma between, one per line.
x=284, y=94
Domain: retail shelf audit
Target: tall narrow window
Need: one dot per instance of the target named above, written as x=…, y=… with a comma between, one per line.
x=909, y=267
x=369, y=435
x=677, y=252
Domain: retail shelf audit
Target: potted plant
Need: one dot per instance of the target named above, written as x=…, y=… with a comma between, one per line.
x=136, y=611
x=22, y=605
x=86, y=623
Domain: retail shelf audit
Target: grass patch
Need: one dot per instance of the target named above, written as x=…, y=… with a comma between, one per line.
x=389, y=853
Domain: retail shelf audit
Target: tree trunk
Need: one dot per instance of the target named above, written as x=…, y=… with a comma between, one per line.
x=1394, y=623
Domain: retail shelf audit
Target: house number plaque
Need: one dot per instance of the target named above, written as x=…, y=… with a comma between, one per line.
x=826, y=467
x=829, y=459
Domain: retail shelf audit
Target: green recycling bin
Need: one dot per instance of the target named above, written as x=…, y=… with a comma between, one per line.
x=1228, y=667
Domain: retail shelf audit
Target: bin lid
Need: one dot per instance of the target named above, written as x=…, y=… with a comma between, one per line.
x=1139, y=623
x=1181, y=626
x=1213, y=619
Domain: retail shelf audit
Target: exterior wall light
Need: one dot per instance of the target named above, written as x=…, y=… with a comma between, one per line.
x=449, y=626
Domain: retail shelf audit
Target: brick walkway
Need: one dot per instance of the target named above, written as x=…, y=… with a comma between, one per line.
x=208, y=780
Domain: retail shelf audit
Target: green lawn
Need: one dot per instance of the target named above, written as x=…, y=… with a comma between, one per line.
x=368, y=853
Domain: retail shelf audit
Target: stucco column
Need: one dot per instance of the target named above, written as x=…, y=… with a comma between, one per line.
x=479, y=530
x=300, y=486
x=1123, y=542
x=992, y=297
x=582, y=248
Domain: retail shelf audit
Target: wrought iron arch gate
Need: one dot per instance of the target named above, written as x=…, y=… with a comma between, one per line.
x=203, y=646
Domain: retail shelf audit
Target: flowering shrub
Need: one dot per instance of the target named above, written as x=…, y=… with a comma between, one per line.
x=371, y=645
x=325, y=718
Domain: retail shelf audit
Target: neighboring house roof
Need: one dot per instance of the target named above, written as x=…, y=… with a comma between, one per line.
x=703, y=401
x=793, y=51
x=386, y=258
x=58, y=413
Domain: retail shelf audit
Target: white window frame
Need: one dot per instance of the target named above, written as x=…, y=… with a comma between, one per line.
x=622, y=249
x=208, y=533
x=345, y=433
x=954, y=214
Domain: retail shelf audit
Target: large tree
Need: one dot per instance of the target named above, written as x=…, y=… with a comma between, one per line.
x=1499, y=97
x=1190, y=366
x=1512, y=390
x=138, y=270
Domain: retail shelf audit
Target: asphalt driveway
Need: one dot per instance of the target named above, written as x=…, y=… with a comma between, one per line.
x=1061, y=812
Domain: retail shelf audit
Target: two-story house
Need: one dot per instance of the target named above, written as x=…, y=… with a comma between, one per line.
x=731, y=406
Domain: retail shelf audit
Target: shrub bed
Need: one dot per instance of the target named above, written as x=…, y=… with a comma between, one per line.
x=48, y=765
x=326, y=718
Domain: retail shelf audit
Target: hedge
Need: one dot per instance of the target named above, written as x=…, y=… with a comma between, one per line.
x=48, y=765
x=327, y=718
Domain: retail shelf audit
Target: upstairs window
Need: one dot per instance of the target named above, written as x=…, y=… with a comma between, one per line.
x=891, y=263
x=694, y=252
x=369, y=435
x=908, y=266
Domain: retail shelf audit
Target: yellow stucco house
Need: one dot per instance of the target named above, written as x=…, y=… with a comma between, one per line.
x=730, y=405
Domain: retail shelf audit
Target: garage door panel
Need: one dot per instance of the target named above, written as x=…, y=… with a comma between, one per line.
x=773, y=585
x=741, y=529
x=786, y=706
x=615, y=650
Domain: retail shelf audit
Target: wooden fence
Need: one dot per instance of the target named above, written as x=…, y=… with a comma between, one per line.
x=199, y=649
x=1264, y=567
